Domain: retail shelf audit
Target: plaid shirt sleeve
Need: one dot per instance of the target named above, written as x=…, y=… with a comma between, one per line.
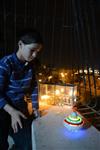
x=3, y=83
x=35, y=102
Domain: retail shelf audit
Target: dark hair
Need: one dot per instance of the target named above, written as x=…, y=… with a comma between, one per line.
x=28, y=36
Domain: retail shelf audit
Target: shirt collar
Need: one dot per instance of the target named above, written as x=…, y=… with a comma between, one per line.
x=17, y=61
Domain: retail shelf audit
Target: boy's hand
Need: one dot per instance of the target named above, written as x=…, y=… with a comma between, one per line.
x=36, y=113
x=15, y=117
x=15, y=120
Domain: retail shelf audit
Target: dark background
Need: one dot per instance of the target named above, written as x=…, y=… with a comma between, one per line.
x=70, y=29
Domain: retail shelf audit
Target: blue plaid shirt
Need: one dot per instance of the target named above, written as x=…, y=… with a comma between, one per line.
x=17, y=80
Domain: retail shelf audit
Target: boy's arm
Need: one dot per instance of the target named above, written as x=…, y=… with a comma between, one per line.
x=3, y=85
x=15, y=115
x=35, y=102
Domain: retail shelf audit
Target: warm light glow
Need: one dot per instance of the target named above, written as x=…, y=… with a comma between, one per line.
x=42, y=103
x=76, y=72
x=62, y=90
x=98, y=78
x=57, y=92
x=40, y=73
x=96, y=71
x=62, y=75
x=71, y=93
x=80, y=71
x=86, y=71
x=74, y=93
x=50, y=77
x=75, y=99
x=90, y=70
x=40, y=80
x=44, y=66
x=45, y=97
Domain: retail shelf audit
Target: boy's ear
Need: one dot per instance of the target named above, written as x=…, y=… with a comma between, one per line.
x=20, y=43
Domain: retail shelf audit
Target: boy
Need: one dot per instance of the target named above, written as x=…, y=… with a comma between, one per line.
x=17, y=80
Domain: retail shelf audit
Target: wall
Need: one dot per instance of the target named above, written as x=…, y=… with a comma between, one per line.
x=69, y=29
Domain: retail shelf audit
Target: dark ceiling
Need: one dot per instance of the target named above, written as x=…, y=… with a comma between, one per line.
x=70, y=29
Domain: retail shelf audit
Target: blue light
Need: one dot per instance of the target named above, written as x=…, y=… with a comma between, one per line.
x=76, y=134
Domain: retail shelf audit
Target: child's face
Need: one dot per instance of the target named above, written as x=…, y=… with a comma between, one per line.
x=29, y=51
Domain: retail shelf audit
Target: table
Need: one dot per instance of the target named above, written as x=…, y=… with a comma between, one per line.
x=49, y=133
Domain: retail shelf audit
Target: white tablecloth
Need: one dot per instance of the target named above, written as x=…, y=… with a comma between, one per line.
x=49, y=133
